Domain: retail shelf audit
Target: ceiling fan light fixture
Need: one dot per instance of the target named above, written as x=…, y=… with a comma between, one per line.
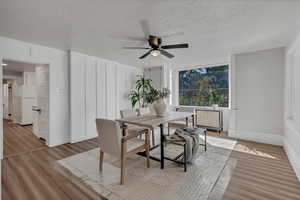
x=155, y=52
x=155, y=48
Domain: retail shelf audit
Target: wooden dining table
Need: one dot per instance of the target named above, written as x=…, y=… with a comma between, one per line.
x=151, y=122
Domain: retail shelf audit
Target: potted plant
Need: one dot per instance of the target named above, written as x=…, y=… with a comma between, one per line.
x=157, y=97
x=145, y=94
x=142, y=88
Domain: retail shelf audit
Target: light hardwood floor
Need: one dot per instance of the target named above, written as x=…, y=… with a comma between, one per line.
x=19, y=139
x=258, y=171
x=254, y=171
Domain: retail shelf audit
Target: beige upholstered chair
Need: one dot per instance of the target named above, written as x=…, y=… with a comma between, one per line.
x=112, y=142
x=143, y=111
x=131, y=113
x=180, y=123
x=146, y=111
x=128, y=113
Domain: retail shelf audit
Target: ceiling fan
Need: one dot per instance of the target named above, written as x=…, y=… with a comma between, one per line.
x=156, y=48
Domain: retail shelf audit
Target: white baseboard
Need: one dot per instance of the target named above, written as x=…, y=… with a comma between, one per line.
x=293, y=158
x=65, y=141
x=291, y=145
x=260, y=137
x=83, y=138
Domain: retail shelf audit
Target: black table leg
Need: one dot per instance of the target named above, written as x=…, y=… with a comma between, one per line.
x=162, y=155
x=205, y=143
x=185, y=156
x=187, y=121
x=193, y=120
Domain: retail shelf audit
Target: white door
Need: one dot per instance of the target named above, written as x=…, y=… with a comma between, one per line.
x=41, y=121
x=10, y=101
x=5, y=101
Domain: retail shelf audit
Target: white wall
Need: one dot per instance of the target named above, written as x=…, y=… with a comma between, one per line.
x=108, y=104
x=59, y=99
x=161, y=77
x=99, y=89
x=292, y=106
x=156, y=75
x=257, y=96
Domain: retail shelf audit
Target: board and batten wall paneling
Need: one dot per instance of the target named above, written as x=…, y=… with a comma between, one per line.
x=99, y=89
x=111, y=86
x=90, y=97
x=120, y=89
x=77, y=97
x=126, y=82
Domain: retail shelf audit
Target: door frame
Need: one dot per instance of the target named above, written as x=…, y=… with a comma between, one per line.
x=1, y=108
x=26, y=60
x=1, y=121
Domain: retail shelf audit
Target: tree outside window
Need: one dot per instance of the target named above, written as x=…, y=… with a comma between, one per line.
x=204, y=86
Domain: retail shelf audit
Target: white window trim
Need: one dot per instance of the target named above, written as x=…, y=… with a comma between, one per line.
x=175, y=74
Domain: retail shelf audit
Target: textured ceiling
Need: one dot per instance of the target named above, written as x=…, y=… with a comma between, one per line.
x=213, y=28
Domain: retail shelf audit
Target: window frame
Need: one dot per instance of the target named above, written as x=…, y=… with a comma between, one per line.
x=206, y=66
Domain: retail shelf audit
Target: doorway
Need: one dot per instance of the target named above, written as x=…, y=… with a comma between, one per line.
x=25, y=106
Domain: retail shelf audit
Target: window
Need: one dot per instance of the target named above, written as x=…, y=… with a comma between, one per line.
x=204, y=86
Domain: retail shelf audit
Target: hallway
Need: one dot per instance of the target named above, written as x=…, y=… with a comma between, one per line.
x=19, y=139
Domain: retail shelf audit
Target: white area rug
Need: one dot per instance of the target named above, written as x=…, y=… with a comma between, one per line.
x=152, y=183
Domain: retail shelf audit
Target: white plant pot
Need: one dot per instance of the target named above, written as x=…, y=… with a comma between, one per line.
x=160, y=108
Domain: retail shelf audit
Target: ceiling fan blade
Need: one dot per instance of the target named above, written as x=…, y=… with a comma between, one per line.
x=131, y=38
x=145, y=27
x=167, y=54
x=146, y=54
x=136, y=48
x=175, y=46
x=172, y=34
